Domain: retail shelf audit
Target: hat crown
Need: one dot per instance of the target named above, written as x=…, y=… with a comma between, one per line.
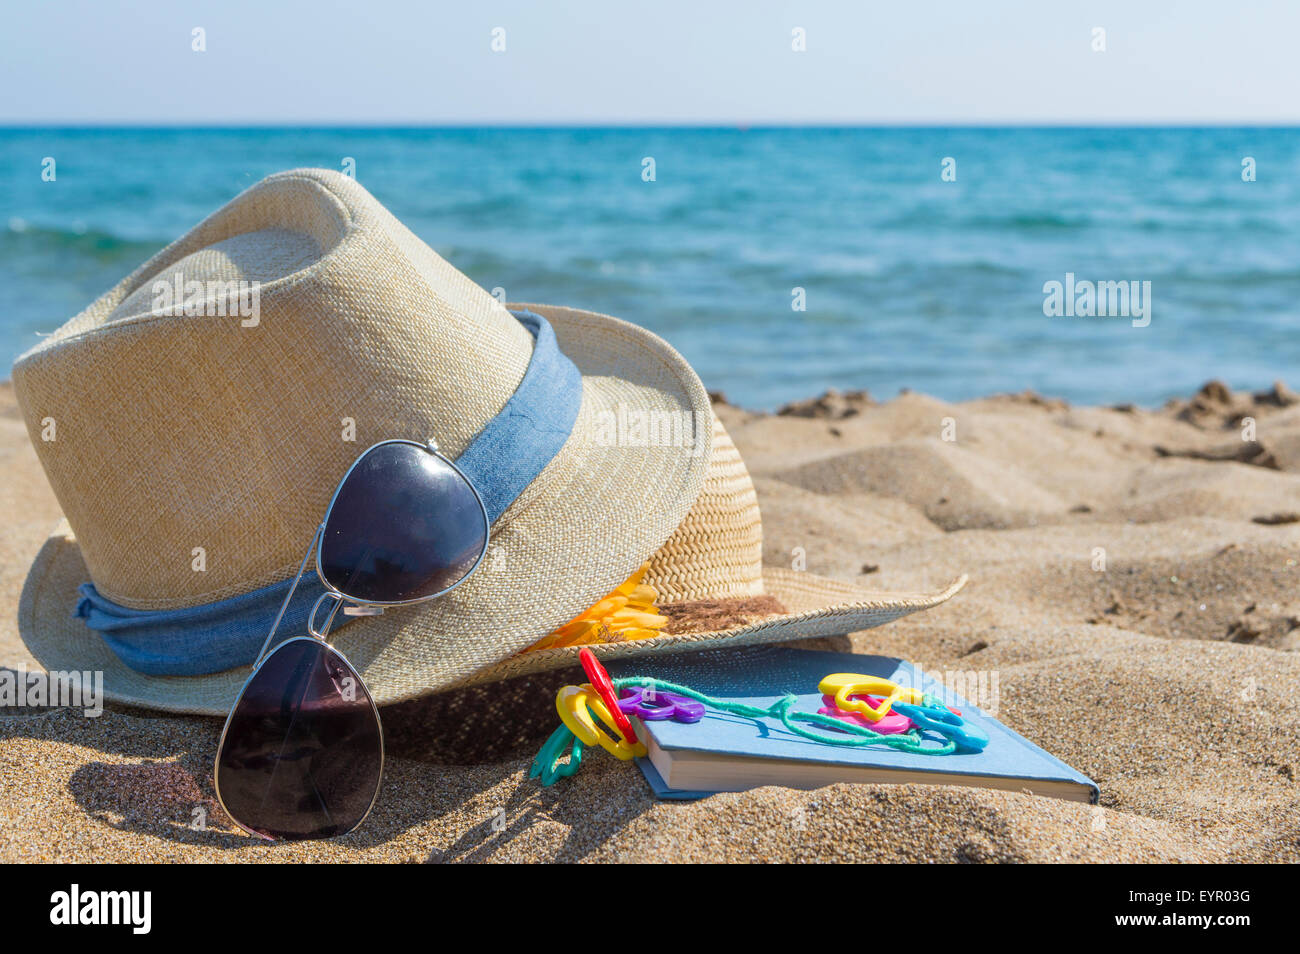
x=195, y=444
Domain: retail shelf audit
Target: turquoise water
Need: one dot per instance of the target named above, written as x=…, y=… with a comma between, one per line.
x=910, y=281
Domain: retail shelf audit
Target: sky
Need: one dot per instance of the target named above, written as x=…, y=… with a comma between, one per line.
x=596, y=62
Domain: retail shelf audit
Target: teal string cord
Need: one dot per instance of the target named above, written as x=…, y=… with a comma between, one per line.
x=781, y=710
x=547, y=767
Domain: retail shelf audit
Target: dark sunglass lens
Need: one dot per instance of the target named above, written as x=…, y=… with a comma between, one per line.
x=405, y=524
x=303, y=751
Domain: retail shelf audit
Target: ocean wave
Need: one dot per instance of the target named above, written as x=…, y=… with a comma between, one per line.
x=1242, y=278
x=939, y=216
x=1179, y=221
x=1030, y=222
x=20, y=238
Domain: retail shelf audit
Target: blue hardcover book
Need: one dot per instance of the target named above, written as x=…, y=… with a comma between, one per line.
x=731, y=753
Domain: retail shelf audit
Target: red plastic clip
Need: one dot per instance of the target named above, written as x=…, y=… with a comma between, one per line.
x=605, y=689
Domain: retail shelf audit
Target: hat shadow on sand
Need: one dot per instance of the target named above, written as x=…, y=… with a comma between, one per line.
x=429, y=743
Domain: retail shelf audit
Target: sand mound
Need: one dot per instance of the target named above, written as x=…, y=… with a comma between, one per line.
x=954, y=487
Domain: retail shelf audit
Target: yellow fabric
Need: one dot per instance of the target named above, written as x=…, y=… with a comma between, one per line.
x=628, y=613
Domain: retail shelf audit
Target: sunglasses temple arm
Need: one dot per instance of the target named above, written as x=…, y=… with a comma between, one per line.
x=302, y=567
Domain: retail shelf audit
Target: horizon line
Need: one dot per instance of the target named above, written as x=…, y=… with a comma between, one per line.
x=7, y=125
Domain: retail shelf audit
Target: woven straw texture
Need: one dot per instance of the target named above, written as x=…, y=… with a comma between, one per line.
x=177, y=431
x=717, y=552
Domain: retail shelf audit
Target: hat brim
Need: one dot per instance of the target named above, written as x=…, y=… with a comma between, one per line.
x=819, y=607
x=594, y=515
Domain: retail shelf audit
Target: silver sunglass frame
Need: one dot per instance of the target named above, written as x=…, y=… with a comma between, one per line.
x=339, y=598
x=355, y=607
x=374, y=709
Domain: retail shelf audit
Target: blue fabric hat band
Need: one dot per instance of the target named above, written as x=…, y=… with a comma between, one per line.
x=502, y=459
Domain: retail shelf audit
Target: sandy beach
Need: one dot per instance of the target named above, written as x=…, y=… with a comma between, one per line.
x=1133, y=584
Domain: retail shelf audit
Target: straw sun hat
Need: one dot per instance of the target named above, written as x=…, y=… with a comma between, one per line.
x=194, y=451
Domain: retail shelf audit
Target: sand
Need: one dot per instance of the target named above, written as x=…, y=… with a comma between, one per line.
x=1134, y=587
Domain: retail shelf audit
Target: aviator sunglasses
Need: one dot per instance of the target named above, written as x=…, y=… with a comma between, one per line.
x=302, y=752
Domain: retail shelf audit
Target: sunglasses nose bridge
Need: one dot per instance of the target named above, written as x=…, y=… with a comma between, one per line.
x=320, y=632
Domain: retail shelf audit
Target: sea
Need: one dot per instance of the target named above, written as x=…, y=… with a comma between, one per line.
x=780, y=261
